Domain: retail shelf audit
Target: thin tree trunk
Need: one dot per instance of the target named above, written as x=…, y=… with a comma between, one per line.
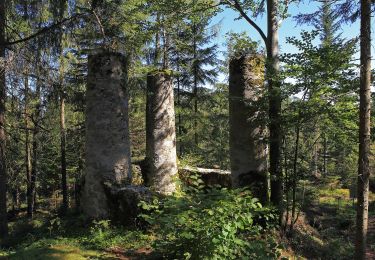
x=15, y=190
x=79, y=174
x=294, y=177
x=28, y=167
x=195, y=87
x=36, y=119
x=64, y=187
x=179, y=116
x=287, y=186
x=325, y=154
x=315, y=160
x=364, y=132
x=157, y=43
x=274, y=105
x=16, y=199
x=166, y=40
x=3, y=172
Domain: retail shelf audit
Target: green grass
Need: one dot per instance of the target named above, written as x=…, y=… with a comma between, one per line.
x=66, y=252
x=49, y=237
x=343, y=193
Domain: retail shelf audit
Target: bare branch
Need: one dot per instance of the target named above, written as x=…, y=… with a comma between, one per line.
x=239, y=8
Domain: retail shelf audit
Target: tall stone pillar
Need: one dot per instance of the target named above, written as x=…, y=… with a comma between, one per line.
x=248, y=149
x=161, y=156
x=107, y=133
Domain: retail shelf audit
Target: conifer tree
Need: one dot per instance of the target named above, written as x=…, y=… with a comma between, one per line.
x=202, y=60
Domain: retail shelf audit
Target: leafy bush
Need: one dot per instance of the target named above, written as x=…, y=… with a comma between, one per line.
x=100, y=232
x=212, y=224
x=103, y=236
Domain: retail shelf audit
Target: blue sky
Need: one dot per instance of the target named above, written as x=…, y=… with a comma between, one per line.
x=288, y=28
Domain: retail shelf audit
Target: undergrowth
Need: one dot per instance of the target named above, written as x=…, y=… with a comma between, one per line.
x=212, y=223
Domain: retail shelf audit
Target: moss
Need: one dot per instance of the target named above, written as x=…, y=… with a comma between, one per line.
x=167, y=72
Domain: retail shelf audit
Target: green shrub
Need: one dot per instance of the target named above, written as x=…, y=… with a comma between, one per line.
x=54, y=225
x=101, y=232
x=212, y=224
x=103, y=235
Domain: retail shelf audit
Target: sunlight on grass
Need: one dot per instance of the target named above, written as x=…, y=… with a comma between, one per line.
x=65, y=252
x=344, y=193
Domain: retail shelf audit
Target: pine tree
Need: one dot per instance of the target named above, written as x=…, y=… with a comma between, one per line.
x=195, y=60
x=202, y=61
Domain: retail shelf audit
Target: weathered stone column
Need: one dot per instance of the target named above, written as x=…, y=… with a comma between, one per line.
x=161, y=156
x=107, y=133
x=248, y=150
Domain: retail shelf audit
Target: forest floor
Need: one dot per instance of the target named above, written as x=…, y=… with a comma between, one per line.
x=325, y=229
x=49, y=237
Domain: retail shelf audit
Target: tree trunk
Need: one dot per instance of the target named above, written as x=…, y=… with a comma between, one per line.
x=34, y=166
x=195, y=87
x=16, y=199
x=108, y=163
x=248, y=152
x=79, y=174
x=166, y=39
x=64, y=187
x=295, y=177
x=3, y=173
x=179, y=116
x=161, y=154
x=287, y=181
x=157, y=43
x=28, y=167
x=364, y=131
x=274, y=104
x=315, y=160
x=325, y=156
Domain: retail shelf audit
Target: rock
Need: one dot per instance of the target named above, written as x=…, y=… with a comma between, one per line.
x=210, y=177
x=124, y=203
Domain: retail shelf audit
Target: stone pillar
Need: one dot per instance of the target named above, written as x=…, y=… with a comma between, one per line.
x=248, y=150
x=161, y=156
x=107, y=133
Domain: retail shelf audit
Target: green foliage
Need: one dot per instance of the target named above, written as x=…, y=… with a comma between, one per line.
x=55, y=225
x=104, y=235
x=239, y=44
x=212, y=129
x=100, y=232
x=319, y=88
x=212, y=224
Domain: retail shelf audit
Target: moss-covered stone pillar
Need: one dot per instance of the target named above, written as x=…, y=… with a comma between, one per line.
x=107, y=133
x=161, y=156
x=248, y=150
